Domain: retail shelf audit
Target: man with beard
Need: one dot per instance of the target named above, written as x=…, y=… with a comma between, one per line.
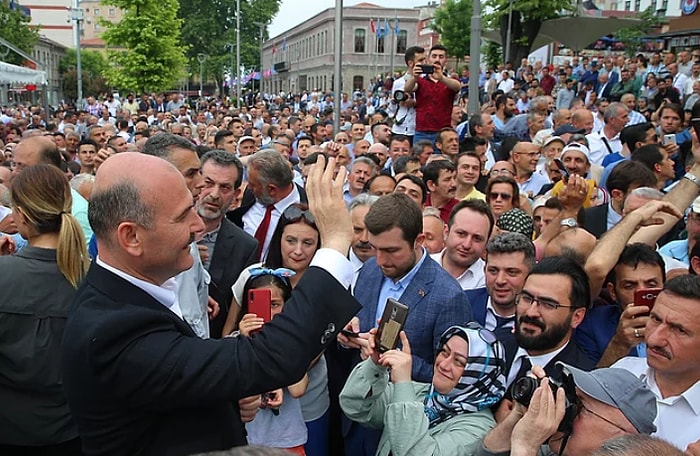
x=440, y=178
x=225, y=248
x=468, y=230
x=551, y=304
x=360, y=249
x=509, y=259
x=270, y=191
x=402, y=270
x=505, y=109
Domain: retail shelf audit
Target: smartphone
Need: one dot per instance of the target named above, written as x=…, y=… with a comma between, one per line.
x=391, y=324
x=260, y=303
x=669, y=139
x=646, y=296
x=427, y=69
x=347, y=333
x=562, y=169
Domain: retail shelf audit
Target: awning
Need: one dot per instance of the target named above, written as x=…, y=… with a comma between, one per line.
x=13, y=74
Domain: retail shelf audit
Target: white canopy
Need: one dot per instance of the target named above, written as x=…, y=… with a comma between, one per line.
x=13, y=74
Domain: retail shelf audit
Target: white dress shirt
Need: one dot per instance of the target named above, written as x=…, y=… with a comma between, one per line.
x=539, y=360
x=678, y=417
x=472, y=277
x=597, y=145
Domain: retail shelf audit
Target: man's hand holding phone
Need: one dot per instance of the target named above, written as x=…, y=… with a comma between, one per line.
x=630, y=330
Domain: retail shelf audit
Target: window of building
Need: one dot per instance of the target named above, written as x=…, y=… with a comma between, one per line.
x=358, y=82
x=664, y=5
x=380, y=45
x=360, y=36
x=613, y=6
x=97, y=11
x=97, y=26
x=653, y=6
x=112, y=12
x=637, y=5
x=628, y=5
x=401, y=40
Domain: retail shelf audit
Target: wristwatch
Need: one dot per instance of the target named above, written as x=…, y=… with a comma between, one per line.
x=692, y=178
x=569, y=222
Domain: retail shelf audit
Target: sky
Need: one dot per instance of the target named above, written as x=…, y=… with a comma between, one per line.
x=294, y=12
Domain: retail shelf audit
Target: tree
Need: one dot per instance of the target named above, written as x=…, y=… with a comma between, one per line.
x=146, y=53
x=632, y=37
x=218, y=20
x=452, y=21
x=492, y=53
x=94, y=66
x=14, y=28
x=527, y=18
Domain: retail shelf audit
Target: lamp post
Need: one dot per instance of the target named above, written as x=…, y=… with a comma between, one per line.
x=508, y=32
x=231, y=46
x=474, y=70
x=76, y=15
x=238, y=54
x=262, y=34
x=337, y=70
x=201, y=58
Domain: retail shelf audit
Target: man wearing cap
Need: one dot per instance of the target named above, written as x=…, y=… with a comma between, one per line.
x=609, y=403
x=680, y=249
x=607, y=141
x=246, y=146
x=565, y=131
x=672, y=367
x=575, y=159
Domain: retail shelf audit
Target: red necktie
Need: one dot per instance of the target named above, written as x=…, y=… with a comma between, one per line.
x=261, y=232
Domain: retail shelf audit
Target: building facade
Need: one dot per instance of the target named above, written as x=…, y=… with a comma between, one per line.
x=48, y=54
x=303, y=57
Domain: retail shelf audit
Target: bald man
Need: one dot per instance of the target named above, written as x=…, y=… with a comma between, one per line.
x=137, y=378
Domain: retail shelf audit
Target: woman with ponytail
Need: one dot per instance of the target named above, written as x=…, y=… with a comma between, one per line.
x=37, y=287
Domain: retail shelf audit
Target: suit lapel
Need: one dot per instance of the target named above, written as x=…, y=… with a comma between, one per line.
x=218, y=260
x=419, y=286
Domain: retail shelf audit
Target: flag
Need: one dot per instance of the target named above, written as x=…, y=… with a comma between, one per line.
x=372, y=27
x=386, y=28
x=397, y=29
x=284, y=44
x=380, y=29
x=274, y=48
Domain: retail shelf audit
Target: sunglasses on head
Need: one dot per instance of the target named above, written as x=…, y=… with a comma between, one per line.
x=294, y=214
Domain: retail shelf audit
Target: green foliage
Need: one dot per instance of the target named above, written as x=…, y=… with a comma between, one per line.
x=527, y=18
x=492, y=53
x=632, y=37
x=14, y=28
x=94, y=67
x=210, y=25
x=452, y=21
x=148, y=54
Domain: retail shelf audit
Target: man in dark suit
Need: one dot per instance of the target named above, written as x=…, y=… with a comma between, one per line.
x=137, y=379
x=403, y=270
x=226, y=249
x=551, y=305
x=271, y=189
x=509, y=259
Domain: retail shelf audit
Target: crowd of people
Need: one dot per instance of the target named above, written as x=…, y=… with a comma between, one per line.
x=138, y=236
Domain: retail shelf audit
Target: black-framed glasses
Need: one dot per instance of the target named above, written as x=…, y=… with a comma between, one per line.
x=526, y=299
x=294, y=214
x=580, y=406
x=485, y=335
x=496, y=195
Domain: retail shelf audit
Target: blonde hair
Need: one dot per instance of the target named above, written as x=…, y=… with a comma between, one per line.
x=42, y=194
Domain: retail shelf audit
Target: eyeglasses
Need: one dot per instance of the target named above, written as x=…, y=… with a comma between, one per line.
x=485, y=335
x=529, y=154
x=501, y=172
x=527, y=299
x=580, y=406
x=294, y=214
x=496, y=195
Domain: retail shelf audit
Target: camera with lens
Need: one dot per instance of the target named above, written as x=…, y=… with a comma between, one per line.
x=524, y=387
x=400, y=96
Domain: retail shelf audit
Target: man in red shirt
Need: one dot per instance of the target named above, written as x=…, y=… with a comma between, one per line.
x=434, y=93
x=547, y=82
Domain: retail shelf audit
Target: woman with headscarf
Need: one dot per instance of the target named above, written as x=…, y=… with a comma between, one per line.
x=447, y=417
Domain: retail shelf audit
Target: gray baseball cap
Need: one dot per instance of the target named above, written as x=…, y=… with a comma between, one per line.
x=621, y=389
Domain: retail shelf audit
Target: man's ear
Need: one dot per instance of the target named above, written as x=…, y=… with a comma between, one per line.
x=128, y=236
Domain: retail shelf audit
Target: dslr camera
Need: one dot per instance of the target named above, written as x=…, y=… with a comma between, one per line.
x=400, y=96
x=524, y=387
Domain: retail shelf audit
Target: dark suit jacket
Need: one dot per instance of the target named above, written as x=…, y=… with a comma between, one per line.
x=234, y=251
x=596, y=220
x=139, y=382
x=478, y=297
x=435, y=302
x=571, y=355
x=236, y=215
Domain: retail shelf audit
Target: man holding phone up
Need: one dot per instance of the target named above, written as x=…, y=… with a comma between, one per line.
x=434, y=93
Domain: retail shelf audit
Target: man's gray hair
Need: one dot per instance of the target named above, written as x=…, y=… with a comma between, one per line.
x=513, y=243
x=647, y=193
x=433, y=212
x=81, y=179
x=272, y=168
x=121, y=202
x=613, y=110
x=363, y=199
x=162, y=144
x=366, y=161
x=636, y=444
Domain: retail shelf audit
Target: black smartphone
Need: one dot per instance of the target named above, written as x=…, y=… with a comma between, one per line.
x=391, y=324
x=347, y=333
x=562, y=168
x=427, y=69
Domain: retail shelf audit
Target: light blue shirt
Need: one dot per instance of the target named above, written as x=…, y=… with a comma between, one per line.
x=394, y=289
x=677, y=250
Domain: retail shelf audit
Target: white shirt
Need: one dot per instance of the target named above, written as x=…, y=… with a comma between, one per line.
x=356, y=266
x=254, y=216
x=406, y=116
x=679, y=81
x=688, y=89
x=539, y=360
x=506, y=85
x=472, y=277
x=678, y=417
x=597, y=146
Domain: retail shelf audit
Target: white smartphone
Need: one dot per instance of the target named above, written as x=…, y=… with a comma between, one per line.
x=669, y=139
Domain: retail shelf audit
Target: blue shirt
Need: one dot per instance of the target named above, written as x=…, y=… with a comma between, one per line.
x=394, y=289
x=677, y=250
x=597, y=329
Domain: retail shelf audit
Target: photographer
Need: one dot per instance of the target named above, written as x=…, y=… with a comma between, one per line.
x=402, y=103
x=585, y=410
x=434, y=93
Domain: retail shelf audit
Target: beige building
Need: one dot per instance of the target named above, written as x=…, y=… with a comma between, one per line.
x=303, y=56
x=48, y=54
x=53, y=19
